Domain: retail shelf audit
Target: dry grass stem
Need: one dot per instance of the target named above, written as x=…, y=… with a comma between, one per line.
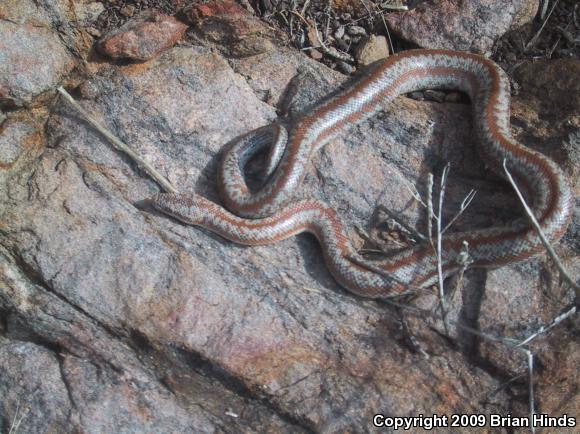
x=563, y=273
x=464, y=204
x=430, y=213
x=531, y=405
x=442, y=301
x=544, y=329
x=545, y=4
x=535, y=38
x=119, y=145
x=16, y=421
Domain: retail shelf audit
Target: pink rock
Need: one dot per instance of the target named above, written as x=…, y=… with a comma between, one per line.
x=32, y=61
x=143, y=37
x=469, y=25
x=197, y=13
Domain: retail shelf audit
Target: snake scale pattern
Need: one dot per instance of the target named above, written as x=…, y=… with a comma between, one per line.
x=268, y=214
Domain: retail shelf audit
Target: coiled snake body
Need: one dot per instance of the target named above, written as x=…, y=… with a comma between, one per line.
x=267, y=215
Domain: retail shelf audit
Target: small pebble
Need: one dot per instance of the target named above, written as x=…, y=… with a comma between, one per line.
x=434, y=95
x=510, y=57
x=453, y=97
x=88, y=90
x=127, y=11
x=94, y=32
x=339, y=33
x=372, y=49
x=342, y=44
x=315, y=54
x=416, y=96
x=345, y=68
x=356, y=31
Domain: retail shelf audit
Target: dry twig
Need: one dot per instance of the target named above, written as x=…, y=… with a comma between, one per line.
x=119, y=145
x=535, y=38
x=563, y=273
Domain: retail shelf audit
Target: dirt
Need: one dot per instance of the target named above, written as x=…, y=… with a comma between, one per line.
x=341, y=25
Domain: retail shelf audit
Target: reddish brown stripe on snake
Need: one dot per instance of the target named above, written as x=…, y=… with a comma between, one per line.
x=277, y=218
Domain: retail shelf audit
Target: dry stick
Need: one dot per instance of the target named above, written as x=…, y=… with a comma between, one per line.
x=545, y=4
x=430, y=214
x=15, y=425
x=563, y=273
x=530, y=357
x=543, y=329
x=119, y=145
x=510, y=342
x=464, y=204
x=389, y=33
x=539, y=32
x=304, y=6
x=442, y=301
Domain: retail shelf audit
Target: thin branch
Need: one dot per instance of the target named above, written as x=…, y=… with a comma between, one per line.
x=430, y=214
x=531, y=406
x=410, y=187
x=440, y=276
x=543, y=329
x=464, y=204
x=119, y=145
x=534, y=39
x=563, y=273
x=387, y=29
x=15, y=425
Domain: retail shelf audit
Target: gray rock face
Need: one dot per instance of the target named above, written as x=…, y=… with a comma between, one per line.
x=114, y=318
x=32, y=61
x=469, y=25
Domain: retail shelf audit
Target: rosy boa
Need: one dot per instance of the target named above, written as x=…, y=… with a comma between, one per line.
x=268, y=216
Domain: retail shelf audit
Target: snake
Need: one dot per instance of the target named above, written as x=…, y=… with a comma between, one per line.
x=269, y=213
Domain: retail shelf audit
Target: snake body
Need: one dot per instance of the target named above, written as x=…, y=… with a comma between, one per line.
x=267, y=215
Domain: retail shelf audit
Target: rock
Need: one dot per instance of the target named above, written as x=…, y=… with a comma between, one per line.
x=87, y=13
x=417, y=95
x=454, y=97
x=127, y=10
x=231, y=29
x=548, y=106
x=345, y=68
x=114, y=318
x=34, y=61
x=33, y=402
x=19, y=135
x=315, y=54
x=94, y=32
x=460, y=25
x=143, y=37
x=143, y=315
x=356, y=31
x=372, y=49
x=39, y=13
x=434, y=95
x=197, y=13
